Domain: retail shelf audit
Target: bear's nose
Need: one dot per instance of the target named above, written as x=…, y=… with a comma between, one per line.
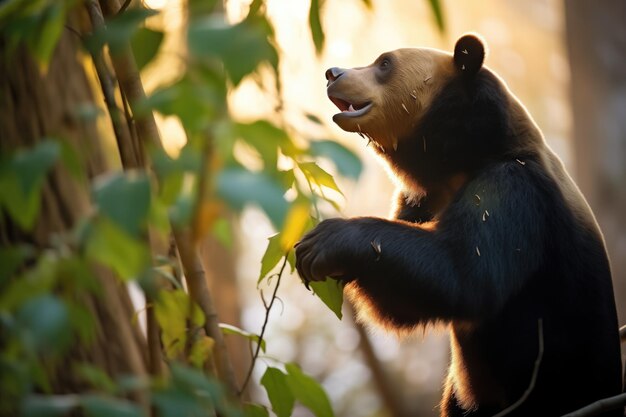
x=333, y=73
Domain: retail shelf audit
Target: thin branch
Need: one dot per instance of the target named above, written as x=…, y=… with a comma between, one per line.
x=132, y=128
x=199, y=292
x=128, y=76
x=122, y=134
x=74, y=31
x=124, y=7
x=533, y=379
x=265, y=321
x=600, y=406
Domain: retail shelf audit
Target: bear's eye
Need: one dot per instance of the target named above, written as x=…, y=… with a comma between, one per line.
x=385, y=63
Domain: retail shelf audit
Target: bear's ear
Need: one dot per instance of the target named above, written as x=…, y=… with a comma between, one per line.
x=469, y=54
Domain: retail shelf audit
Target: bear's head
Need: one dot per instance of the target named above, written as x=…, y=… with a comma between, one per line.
x=429, y=112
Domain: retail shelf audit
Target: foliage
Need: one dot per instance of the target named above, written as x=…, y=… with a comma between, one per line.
x=42, y=313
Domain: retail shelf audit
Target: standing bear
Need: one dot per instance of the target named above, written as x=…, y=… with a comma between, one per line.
x=489, y=235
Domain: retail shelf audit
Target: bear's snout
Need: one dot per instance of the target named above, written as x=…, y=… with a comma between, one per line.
x=333, y=73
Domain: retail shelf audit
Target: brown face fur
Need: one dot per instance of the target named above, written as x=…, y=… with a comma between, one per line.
x=386, y=99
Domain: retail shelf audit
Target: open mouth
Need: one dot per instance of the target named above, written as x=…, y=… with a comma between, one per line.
x=351, y=109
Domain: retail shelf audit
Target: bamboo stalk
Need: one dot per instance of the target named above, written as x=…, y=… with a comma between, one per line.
x=130, y=82
x=121, y=131
x=148, y=133
x=199, y=292
x=132, y=157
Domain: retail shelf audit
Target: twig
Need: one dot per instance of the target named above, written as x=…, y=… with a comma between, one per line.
x=199, y=292
x=122, y=134
x=124, y=7
x=132, y=128
x=128, y=76
x=74, y=31
x=600, y=406
x=265, y=321
x=317, y=210
x=533, y=379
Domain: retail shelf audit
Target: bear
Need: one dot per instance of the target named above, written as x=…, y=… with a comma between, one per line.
x=489, y=237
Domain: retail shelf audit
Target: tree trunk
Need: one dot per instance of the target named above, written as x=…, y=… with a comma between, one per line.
x=35, y=106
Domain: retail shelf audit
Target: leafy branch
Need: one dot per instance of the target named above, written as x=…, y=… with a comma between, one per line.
x=268, y=308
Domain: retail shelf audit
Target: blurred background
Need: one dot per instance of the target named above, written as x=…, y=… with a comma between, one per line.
x=565, y=60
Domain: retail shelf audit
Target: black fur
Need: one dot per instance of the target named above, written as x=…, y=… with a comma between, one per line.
x=469, y=54
x=463, y=130
x=516, y=244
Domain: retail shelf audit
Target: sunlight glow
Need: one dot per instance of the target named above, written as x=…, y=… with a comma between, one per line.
x=340, y=48
x=155, y=4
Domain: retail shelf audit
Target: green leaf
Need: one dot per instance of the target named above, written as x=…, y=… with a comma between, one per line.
x=315, y=24
x=22, y=208
x=291, y=259
x=145, y=44
x=223, y=232
x=124, y=197
x=172, y=310
x=173, y=402
x=201, y=7
x=196, y=102
x=201, y=351
x=110, y=245
x=273, y=254
x=313, y=118
x=21, y=179
x=181, y=212
x=297, y=222
x=278, y=391
x=240, y=187
x=72, y=161
x=101, y=406
x=317, y=175
x=48, y=405
x=82, y=322
x=194, y=381
x=158, y=217
x=346, y=161
x=241, y=47
x=11, y=258
x=73, y=272
x=285, y=178
x=50, y=28
x=435, y=6
x=119, y=30
x=308, y=391
x=255, y=410
x=95, y=377
x=44, y=324
x=267, y=139
x=34, y=282
x=330, y=291
x=233, y=330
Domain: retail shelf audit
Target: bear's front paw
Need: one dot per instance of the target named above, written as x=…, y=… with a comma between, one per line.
x=327, y=250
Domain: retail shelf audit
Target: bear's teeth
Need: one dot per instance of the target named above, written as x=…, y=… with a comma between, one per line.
x=351, y=108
